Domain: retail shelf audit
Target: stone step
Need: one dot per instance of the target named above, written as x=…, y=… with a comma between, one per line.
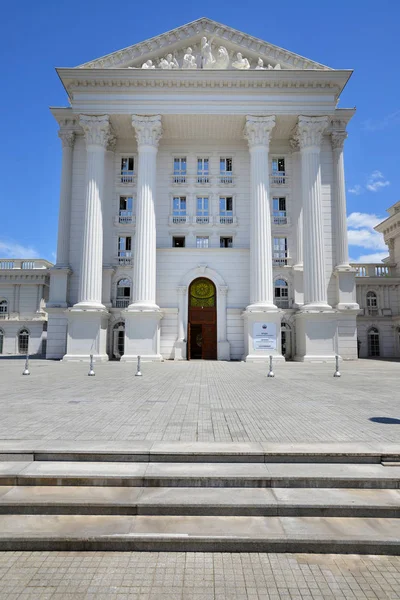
x=200, y=534
x=81, y=500
x=233, y=475
x=248, y=452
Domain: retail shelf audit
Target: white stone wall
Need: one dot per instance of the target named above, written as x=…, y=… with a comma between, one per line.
x=11, y=328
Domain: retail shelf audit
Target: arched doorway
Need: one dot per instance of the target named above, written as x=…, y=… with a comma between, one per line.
x=202, y=320
x=118, y=340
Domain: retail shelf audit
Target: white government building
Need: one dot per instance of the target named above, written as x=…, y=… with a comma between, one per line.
x=203, y=213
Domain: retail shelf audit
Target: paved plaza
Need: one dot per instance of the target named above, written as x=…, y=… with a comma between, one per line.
x=201, y=401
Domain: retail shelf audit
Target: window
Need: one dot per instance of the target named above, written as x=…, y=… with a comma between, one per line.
x=372, y=303
x=225, y=242
x=125, y=209
x=127, y=169
x=373, y=342
x=202, y=241
x=123, y=293
x=226, y=210
x=1, y=341
x=225, y=170
x=203, y=173
x=179, y=209
x=23, y=341
x=202, y=214
x=280, y=251
x=179, y=170
x=3, y=309
x=278, y=171
x=178, y=241
x=281, y=293
x=125, y=250
x=279, y=211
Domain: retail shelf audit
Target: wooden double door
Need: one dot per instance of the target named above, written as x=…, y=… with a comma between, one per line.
x=202, y=321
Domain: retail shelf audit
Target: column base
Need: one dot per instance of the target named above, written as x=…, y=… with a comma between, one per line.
x=180, y=352
x=316, y=336
x=224, y=350
x=87, y=334
x=262, y=334
x=142, y=335
x=316, y=307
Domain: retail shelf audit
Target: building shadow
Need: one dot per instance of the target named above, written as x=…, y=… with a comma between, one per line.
x=385, y=420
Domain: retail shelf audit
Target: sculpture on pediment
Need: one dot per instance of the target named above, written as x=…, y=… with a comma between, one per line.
x=240, y=62
x=222, y=61
x=189, y=61
x=169, y=62
x=148, y=65
x=270, y=67
x=207, y=58
x=277, y=67
x=260, y=65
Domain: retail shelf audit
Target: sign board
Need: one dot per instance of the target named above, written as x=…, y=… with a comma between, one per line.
x=264, y=336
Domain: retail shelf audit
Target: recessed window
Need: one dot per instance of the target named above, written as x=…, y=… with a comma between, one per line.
x=372, y=303
x=226, y=210
x=127, y=169
x=280, y=252
x=178, y=241
x=179, y=209
x=281, y=293
x=202, y=210
x=373, y=342
x=125, y=249
x=23, y=341
x=225, y=170
x=278, y=171
x=279, y=211
x=225, y=242
x=123, y=293
x=203, y=173
x=3, y=309
x=125, y=209
x=180, y=169
x=202, y=241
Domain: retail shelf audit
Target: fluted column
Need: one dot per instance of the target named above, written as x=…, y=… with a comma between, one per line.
x=257, y=131
x=96, y=131
x=64, y=216
x=342, y=247
x=148, y=132
x=310, y=131
x=297, y=199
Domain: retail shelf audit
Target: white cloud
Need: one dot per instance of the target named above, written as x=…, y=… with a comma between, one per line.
x=376, y=181
x=356, y=189
x=357, y=220
x=366, y=238
x=375, y=257
x=11, y=249
x=387, y=121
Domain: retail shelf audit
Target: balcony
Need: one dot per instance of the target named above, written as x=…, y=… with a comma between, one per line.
x=6, y=263
x=127, y=177
x=124, y=260
x=121, y=302
x=279, y=178
x=282, y=302
x=179, y=178
x=202, y=220
x=280, y=219
x=280, y=261
x=374, y=311
x=226, y=220
x=125, y=217
x=202, y=179
x=373, y=270
x=4, y=316
x=226, y=178
x=179, y=219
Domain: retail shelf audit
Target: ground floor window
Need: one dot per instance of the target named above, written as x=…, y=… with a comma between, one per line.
x=373, y=342
x=23, y=341
x=1, y=341
x=118, y=340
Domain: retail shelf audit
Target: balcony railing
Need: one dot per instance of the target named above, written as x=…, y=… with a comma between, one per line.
x=373, y=270
x=202, y=220
x=122, y=302
x=179, y=178
x=18, y=263
x=282, y=302
x=3, y=316
x=226, y=220
x=279, y=261
x=226, y=177
x=374, y=311
x=278, y=178
x=279, y=219
x=124, y=260
x=178, y=219
x=202, y=178
x=125, y=217
x=6, y=264
x=127, y=177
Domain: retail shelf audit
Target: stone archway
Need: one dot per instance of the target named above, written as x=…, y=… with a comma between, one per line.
x=202, y=320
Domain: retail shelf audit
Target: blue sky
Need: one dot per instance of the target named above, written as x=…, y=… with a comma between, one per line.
x=42, y=35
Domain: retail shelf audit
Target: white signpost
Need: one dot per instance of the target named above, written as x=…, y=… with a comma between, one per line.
x=264, y=336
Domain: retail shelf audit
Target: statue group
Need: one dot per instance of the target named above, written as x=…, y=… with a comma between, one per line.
x=207, y=60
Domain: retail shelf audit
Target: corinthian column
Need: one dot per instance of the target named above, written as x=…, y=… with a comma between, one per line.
x=257, y=131
x=311, y=130
x=339, y=198
x=96, y=131
x=67, y=139
x=148, y=133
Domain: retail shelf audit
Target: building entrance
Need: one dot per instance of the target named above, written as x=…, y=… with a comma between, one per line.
x=202, y=322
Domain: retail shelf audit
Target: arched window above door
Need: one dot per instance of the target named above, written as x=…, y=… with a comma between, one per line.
x=202, y=293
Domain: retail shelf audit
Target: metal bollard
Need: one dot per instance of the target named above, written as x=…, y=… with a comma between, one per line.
x=26, y=370
x=91, y=367
x=270, y=372
x=337, y=372
x=138, y=371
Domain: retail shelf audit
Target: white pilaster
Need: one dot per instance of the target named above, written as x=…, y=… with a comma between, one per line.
x=311, y=130
x=87, y=320
x=180, y=344
x=224, y=348
x=64, y=216
x=261, y=310
x=143, y=315
x=297, y=211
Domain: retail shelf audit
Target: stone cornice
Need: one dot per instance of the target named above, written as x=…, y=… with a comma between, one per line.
x=257, y=130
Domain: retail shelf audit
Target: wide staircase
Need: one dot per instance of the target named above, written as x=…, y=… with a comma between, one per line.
x=157, y=496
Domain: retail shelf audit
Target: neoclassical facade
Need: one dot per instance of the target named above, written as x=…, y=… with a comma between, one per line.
x=202, y=206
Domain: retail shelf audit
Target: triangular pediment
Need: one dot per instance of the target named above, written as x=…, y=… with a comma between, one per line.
x=177, y=41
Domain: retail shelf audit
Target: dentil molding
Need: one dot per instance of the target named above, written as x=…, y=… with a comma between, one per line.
x=148, y=130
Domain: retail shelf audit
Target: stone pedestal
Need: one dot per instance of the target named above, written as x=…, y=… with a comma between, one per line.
x=87, y=334
x=142, y=335
x=255, y=348
x=316, y=336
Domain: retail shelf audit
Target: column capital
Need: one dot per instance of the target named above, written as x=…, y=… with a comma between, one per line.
x=295, y=141
x=311, y=130
x=111, y=142
x=182, y=289
x=338, y=139
x=96, y=129
x=257, y=130
x=148, y=130
x=67, y=138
